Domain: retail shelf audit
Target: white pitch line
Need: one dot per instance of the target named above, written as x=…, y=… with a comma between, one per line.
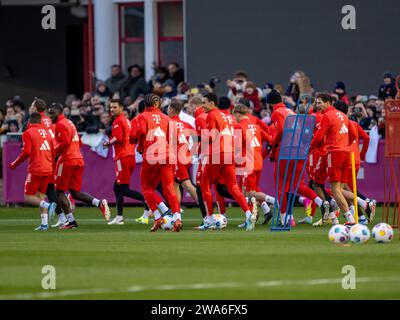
x=194, y=286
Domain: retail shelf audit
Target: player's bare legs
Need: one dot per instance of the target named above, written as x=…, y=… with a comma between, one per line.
x=52, y=197
x=189, y=187
x=366, y=204
x=90, y=200
x=63, y=201
x=38, y=201
x=263, y=199
x=178, y=191
x=341, y=200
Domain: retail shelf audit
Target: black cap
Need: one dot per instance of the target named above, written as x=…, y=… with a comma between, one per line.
x=274, y=97
x=224, y=103
x=388, y=75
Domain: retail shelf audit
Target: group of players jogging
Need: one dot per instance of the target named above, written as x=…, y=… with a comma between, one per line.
x=230, y=145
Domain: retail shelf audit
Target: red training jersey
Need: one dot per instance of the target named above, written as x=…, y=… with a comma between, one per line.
x=321, y=149
x=68, y=142
x=120, y=131
x=182, y=130
x=38, y=148
x=221, y=125
x=335, y=130
x=200, y=122
x=278, y=117
x=251, y=139
x=153, y=134
x=48, y=125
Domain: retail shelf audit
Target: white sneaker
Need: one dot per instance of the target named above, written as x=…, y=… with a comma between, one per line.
x=59, y=224
x=350, y=219
x=319, y=223
x=333, y=218
x=117, y=221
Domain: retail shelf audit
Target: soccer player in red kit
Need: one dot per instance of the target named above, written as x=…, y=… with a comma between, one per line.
x=183, y=131
x=147, y=213
x=39, y=105
x=220, y=144
x=38, y=148
x=369, y=205
x=70, y=166
x=158, y=162
x=252, y=137
x=337, y=135
x=200, y=116
x=278, y=117
x=124, y=158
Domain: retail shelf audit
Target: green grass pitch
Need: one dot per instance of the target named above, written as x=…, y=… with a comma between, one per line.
x=97, y=261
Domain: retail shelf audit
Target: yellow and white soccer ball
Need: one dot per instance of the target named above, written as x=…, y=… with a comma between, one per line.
x=382, y=233
x=359, y=234
x=168, y=223
x=220, y=221
x=338, y=234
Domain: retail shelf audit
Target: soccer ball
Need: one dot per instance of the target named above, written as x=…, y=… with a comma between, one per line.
x=382, y=232
x=338, y=234
x=359, y=234
x=220, y=221
x=168, y=223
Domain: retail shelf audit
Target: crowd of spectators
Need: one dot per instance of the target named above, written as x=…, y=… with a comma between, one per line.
x=90, y=112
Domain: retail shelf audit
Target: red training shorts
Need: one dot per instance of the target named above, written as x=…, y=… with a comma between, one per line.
x=320, y=170
x=252, y=181
x=124, y=168
x=68, y=177
x=338, y=164
x=182, y=172
x=35, y=184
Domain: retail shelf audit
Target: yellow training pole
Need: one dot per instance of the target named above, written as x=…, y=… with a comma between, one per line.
x=353, y=171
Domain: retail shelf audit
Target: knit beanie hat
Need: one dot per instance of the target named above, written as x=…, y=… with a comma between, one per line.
x=274, y=97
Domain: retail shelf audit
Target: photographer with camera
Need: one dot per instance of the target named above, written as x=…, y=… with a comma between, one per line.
x=239, y=83
x=357, y=112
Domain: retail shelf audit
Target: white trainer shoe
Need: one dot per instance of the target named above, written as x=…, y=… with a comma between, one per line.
x=117, y=221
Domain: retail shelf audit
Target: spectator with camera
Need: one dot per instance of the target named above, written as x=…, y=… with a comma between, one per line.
x=299, y=84
x=388, y=88
x=357, y=112
x=239, y=83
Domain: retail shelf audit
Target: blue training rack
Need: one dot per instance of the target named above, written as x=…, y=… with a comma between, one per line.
x=294, y=147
